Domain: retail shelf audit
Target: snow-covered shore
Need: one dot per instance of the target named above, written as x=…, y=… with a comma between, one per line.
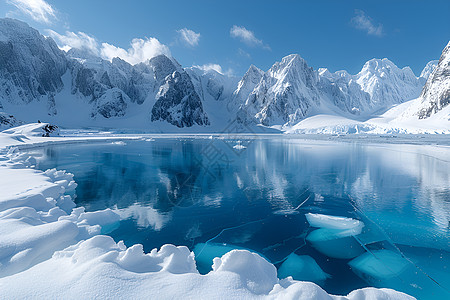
x=49, y=249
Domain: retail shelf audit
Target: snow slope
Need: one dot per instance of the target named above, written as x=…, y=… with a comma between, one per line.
x=397, y=120
x=62, y=252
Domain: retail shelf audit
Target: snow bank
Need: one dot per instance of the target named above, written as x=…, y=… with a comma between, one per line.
x=59, y=252
x=205, y=254
x=100, y=267
x=33, y=129
x=255, y=273
x=400, y=119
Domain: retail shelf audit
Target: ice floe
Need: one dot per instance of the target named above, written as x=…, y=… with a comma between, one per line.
x=347, y=226
x=335, y=236
x=239, y=146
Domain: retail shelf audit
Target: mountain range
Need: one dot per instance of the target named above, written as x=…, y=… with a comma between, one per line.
x=39, y=81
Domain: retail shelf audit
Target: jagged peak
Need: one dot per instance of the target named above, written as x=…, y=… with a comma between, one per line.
x=18, y=31
x=377, y=63
x=158, y=59
x=448, y=46
x=83, y=53
x=14, y=24
x=445, y=54
x=288, y=64
x=291, y=58
x=163, y=59
x=429, y=68
x=163, y=66
x=253, y=72
x=324, y=72
x=254, y=69
x=252, y=76
x=289, y=61
x=200, y=70
x=382, y=68
x=343, y=73
x=119, y=61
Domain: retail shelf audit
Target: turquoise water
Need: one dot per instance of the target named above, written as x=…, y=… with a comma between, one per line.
x=211, y=197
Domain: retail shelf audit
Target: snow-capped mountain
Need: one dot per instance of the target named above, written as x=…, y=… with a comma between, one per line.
x=31, y=65
x=429, y=113
x=38, y=81
x=344, y=92
x=429, y=68
x=177, y=102
x=292, y=91
x=36, y=73
x=246, y=85
x=114, y=86
x=436, y=92
x=387, y=84
x=285, y=94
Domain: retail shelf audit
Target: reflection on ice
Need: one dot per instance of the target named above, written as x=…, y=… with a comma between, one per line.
x=145, y=216
x=302, y=267
x=274, y=195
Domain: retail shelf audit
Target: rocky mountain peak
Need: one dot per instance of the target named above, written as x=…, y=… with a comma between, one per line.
x=436, y=92
x=163, y=66
x=31, y=65
x=428, y=69
x=178, y=103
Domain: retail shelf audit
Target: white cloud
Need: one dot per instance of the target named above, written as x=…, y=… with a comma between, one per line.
x=209, y=67
x=243, y=53
x=365, y=23
x=215, y=67
x=78, y=40
x=39, y=10
x=140, y=51
x=246, y=36
x=190, y=37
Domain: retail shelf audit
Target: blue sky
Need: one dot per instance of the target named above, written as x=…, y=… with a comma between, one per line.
x=336, y=34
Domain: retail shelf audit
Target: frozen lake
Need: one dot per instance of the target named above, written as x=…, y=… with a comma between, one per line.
x=270, y=195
